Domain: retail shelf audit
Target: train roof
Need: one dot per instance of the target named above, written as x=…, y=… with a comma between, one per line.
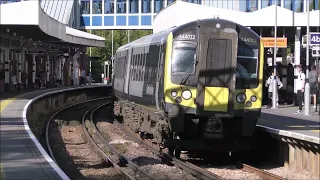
x=148, y=39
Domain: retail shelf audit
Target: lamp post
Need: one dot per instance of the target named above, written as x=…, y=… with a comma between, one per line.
x=274, y=83
x=307, y=86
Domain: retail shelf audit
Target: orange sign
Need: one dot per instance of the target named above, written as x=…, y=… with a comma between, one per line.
x=269, y=42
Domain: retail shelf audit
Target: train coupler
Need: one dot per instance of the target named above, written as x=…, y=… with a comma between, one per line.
x=213, y=128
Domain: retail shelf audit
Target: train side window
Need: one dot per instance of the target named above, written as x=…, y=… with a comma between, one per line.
x=137, y=75
x=150, y=66
x=140, y=67
x=132, y=67
x=143, y=65
x=136, y=66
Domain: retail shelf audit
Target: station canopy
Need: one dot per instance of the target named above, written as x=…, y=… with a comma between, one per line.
x=26, y=24
x=179, y=13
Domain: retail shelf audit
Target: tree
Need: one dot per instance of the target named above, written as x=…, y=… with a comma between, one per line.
x=120, y=38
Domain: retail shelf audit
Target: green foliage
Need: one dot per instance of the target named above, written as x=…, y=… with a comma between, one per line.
x=120, y=38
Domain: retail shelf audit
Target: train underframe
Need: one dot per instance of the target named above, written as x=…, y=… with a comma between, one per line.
x=188, y=132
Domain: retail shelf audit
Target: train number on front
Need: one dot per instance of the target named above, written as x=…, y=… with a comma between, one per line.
x=187, y=36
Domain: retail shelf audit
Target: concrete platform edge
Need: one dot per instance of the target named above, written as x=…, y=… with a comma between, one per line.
x=34, y=139
x=289, y=134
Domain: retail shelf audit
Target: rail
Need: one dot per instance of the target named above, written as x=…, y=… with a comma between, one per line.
x=122, y=158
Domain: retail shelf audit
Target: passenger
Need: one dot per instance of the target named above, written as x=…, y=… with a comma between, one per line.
x=269, y=84
x=300, y=88
x=313, y=85
x=82, y=78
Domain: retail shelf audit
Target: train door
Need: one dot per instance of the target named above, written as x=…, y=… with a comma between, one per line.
x=127, y=74
x=159, y=95
x=216, y=73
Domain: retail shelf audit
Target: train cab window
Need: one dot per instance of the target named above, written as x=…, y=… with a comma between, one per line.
x=247, y=66
x=183, y=57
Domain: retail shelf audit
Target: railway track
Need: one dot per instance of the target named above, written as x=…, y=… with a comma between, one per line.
x=87, y=105
x=261, y=173
x=196, y=171
x=193, y=169
x=109, y=150
x=122, y=164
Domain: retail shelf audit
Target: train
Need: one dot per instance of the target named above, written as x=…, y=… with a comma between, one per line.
x=193, y=87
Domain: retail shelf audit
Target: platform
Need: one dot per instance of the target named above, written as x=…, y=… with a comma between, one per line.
x=284, y=121
x=22, y=156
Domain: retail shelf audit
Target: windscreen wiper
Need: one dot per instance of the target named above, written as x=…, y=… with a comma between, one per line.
x=184, y=80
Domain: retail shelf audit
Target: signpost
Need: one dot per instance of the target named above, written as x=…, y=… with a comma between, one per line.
x=268, y=42
x=314, y=38
x=316, y=51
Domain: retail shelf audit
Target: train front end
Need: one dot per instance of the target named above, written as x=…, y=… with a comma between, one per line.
x=212, y=82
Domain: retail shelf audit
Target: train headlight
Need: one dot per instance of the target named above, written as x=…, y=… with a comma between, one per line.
x=241, y=98
x=248, y=103
x=179, y=99
x=253, y=98
x=174, y=93
x=186, y=94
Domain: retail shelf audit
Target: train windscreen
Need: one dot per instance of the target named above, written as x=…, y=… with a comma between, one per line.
x=183, y=57
x=247, y=66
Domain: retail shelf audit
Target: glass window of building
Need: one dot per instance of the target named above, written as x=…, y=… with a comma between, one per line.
x=133, y=6
x=298, y=5
x=277, y=2
x=317, y=4
x=252, y=5
x=190, y=1
x=121, y=6
x=96, y=7
x=288, y=4
x=314, y=5
x=146, y=6
x=85, y=7
x=170, y=2
x=108, y=6
x=158, y=5
x=243, y=6
x=265, y=3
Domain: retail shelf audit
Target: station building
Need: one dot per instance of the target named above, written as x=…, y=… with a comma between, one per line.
x=41, y=43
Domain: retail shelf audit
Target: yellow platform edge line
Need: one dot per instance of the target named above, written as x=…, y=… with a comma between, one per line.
x=5, y=103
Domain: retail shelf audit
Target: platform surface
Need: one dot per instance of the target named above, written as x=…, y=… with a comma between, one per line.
x=20, y=157
x=285, y=119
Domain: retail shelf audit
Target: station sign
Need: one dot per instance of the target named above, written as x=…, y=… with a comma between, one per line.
x=268, y=42
x=315, y=38
x=315, y=51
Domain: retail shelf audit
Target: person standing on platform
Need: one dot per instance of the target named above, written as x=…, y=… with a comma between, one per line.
x=83, y=76
x=269, y=84
x=300, y=87
x=313, y=80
